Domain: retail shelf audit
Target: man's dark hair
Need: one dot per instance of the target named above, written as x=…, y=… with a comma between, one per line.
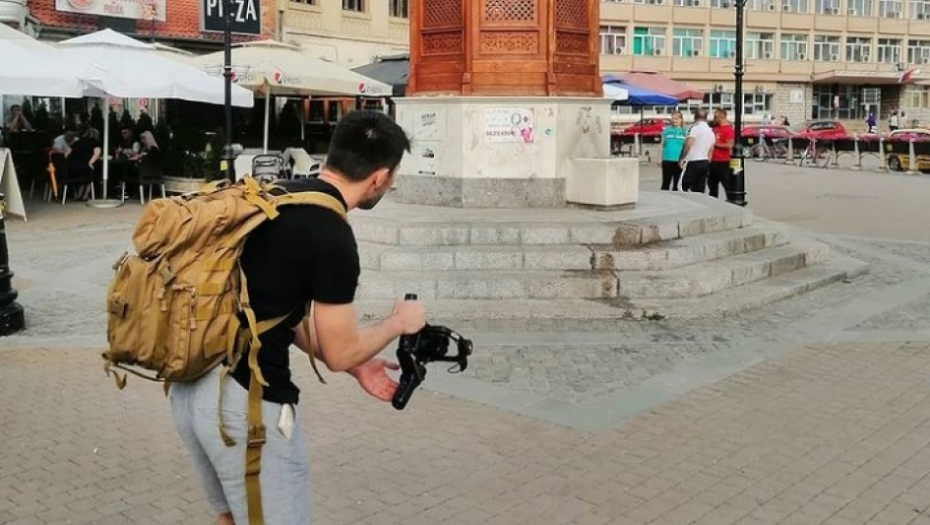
x=365, y=141
x=700, y=114
x=14, y=107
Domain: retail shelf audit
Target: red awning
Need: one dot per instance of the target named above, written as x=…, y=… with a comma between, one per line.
x=658, y=82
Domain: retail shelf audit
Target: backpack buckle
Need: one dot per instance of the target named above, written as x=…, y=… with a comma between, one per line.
x=256, y=436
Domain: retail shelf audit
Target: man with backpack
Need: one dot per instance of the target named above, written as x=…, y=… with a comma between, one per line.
x=306, y=255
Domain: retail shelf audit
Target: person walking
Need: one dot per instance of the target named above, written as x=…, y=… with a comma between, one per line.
x=893, y=123
x=695, y=156
x=871, y=123
x=724, y=139
x=673, y=140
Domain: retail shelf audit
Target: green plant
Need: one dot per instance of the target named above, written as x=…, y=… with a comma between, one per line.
x=144, y=123
x=96, y=118
x=126, y=121
x=42, y=121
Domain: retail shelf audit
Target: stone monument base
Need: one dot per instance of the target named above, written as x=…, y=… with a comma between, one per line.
x=506, y=152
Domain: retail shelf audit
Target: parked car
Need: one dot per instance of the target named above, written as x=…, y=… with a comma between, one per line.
x=822, y=130
x=900, y=161
x=649, y=129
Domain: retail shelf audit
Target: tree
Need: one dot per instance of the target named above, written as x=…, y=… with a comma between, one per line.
x=126, y=121
x=144, y=123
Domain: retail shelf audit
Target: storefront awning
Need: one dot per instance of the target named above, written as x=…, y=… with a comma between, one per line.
x=875, y=78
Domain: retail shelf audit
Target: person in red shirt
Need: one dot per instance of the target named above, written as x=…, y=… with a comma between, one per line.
x=720, y=172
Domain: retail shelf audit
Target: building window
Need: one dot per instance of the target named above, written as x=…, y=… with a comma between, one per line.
x=920, y=9
x=613, y=40
x=917, y=97
x=860, y=7
x=353, y=5
x=760, y=46
x=890, y=8
x=304, y=2
x=762, y=5
x=853, y=102
x=649, y=41
x=889, y=51
x=918, y=51
x=687, y=42
x=827, y=7
x=757, y=103
x=858, y=49
x=399, y=8
x=826, y=48
x=793, y=47
x=721, y=4
x=794, y=6
x=723, y=44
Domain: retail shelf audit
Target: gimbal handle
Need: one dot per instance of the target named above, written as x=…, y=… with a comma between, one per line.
x=412, y=373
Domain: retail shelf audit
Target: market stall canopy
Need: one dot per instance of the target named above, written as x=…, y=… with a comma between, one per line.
x=637, y=96
x=392, y=70
x=657, y=83
x=268, y=66
x=120, y=66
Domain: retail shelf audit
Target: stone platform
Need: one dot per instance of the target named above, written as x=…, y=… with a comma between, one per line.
x=673, y=255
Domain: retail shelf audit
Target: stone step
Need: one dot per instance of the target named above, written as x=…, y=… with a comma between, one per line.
x=666, y=255
x=580, y=228
x=691, y=281
x=514, y=315
x=713, y=276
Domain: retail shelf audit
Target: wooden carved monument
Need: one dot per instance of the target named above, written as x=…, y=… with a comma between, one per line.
x=504, y=47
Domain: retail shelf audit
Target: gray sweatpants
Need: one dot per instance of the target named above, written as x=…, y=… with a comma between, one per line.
x=284, y=478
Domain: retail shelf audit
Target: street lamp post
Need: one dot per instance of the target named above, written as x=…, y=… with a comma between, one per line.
x=12, y=318
x=228, y=156
x=736, y=192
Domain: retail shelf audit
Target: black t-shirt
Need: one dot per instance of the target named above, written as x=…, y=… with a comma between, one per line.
x=308, y=253
x=82, y=150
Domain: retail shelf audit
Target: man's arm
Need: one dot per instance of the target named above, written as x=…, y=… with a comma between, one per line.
x=684, y=151
x=341, y=345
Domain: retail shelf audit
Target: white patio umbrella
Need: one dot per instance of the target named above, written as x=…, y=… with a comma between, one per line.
x=275, y=68
x=32, y=68
x=116, y=65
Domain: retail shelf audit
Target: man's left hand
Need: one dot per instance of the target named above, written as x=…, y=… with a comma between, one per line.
x=372, y=377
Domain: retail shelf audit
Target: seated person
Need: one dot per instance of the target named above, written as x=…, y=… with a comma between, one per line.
x=63, y=142
x=149, y=151
x=83, y=160
x=128, y=148
x=17, y=121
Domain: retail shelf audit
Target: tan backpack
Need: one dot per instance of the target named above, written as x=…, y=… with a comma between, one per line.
x=174, y=307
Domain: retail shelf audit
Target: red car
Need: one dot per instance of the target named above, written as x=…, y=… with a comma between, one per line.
x=647, y=127
x=768, y=131
x=822, y=130
x=649, y=130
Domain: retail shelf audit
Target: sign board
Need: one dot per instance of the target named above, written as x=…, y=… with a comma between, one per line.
x=509, y=125
x=797, y=96
x=246, y=16
x=9, y=186
x=135, y=9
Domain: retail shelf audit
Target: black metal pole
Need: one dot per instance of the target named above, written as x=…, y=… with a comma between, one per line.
x=736, y=192
x=12, y=317
x=228, y=156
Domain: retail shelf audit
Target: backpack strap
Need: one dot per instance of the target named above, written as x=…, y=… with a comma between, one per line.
x=256, y=428
x=315, y=198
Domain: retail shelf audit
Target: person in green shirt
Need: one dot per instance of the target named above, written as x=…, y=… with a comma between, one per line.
x=673, y=140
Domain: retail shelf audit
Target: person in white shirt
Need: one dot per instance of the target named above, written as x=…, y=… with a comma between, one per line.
x=893, y=121
x=62, y=143
x=695, y=156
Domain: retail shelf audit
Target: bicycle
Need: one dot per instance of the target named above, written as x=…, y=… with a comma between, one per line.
x=769, y=149
x=815, y=154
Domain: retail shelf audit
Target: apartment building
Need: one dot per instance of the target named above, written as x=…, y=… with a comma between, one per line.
x=348, y=32
x=803, y=58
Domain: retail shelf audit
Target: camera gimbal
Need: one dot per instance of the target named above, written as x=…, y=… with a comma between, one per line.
x=426, y=346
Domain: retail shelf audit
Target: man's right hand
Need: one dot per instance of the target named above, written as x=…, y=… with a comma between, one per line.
x=411, y=315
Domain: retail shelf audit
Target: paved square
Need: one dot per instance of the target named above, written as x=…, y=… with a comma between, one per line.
x=811, y=410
